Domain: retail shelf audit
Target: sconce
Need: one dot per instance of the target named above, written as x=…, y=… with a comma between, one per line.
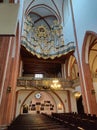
x=77, y=94
x=59, y=106
x=8, y=89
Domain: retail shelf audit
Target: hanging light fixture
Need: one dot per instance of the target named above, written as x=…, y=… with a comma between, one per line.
x=55, y=84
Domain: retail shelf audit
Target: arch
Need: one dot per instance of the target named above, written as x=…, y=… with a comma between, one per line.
x=72, y=69
x=87, y=44
x=89, y=41
x=45, y=7
x=33, y=91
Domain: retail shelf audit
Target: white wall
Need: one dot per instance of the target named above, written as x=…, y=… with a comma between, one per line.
x=73, y=103
x=20, y=98
x=53, y=97
x=85, y=14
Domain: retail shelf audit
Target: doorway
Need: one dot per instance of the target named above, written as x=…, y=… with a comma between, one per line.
x=80, y=107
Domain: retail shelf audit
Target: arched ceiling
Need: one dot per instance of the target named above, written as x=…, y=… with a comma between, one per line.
x=91, y=51
x=45, y=10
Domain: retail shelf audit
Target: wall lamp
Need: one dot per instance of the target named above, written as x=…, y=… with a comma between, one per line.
x=8, y=89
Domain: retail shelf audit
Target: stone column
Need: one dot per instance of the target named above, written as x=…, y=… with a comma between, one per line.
x=63, y=71
x=89, y=90
x=11, y=104
x=69, y=101
x=5, y=52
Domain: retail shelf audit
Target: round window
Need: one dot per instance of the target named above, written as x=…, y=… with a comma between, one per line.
x=38, y=95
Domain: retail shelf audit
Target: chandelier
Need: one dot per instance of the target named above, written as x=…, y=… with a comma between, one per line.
x=43, y=41
x=55, y=84
x=45, y=83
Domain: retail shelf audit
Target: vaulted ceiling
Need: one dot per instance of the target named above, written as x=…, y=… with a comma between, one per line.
x=43, y=12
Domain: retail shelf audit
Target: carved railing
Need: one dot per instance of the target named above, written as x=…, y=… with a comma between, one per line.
x=94, y=75
x=45, y=83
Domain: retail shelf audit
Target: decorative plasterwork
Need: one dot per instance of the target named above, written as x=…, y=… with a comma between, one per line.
x=43, y=41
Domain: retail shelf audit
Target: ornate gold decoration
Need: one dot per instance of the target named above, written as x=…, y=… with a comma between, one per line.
x=41, y=32
x=43, y=41
x=55, y=84
x=45, y=83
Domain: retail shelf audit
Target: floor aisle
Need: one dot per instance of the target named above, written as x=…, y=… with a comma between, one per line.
x=36, y=122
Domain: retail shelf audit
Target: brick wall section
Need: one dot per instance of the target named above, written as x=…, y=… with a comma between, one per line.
x=91, y=98
x=4, y=65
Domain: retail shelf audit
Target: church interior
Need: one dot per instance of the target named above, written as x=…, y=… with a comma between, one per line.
x=48, y=65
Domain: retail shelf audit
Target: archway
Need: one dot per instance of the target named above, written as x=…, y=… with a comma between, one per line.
x=39, y=101
x=73, y=75
x=79, y=101
x=89, y=41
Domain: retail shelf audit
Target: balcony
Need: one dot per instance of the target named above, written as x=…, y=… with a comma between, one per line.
x=47, y=83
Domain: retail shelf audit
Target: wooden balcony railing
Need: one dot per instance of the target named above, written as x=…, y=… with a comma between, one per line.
x=45, y=83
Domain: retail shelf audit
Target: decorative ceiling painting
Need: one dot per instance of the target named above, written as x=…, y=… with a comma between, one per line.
x=43, y=31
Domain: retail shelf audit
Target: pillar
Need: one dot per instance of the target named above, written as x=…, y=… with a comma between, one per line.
x=5, y=54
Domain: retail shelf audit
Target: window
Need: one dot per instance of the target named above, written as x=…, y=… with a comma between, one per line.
x=38, y=75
